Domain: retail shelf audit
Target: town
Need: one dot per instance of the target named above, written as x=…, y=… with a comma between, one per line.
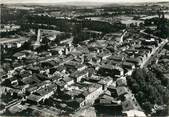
x=58, y=61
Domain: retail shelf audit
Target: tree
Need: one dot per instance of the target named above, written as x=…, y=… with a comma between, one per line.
x=135, y=87
x=149, y=88
x=140, y=96
x=147, y=107
x=166, y=97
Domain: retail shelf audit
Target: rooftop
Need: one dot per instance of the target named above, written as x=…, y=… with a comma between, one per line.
x=13, y=40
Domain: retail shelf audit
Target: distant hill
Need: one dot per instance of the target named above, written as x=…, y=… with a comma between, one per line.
x=90, y=4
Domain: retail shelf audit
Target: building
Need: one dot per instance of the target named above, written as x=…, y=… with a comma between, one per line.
x=121, y=91
x=68, y=81
x=42, y=94
x=19, y=55
x=134, y=113
x=75, y=66
x=111, y=70
x=92, y=93
x=105, y=82
x=121, y=81
x=78, y=75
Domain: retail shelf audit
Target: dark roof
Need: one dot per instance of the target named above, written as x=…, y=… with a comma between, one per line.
x=74, y=64
x=116, y=58
x=56, y=77
x=127, y=64
x=133, y=60
x=41, y=77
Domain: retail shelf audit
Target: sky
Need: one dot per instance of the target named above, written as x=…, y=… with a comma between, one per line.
x=57, y=1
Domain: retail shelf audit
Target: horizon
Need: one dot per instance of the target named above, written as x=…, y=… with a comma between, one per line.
x=78, y=1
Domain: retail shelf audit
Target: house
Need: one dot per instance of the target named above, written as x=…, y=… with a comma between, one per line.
x=2, y=73
x=57, y=69
x=93, y=79
x=134, y=113
x=78, y=75
x=15, y=109
x=105, y=82
x=121, y=91
x=17, y=65
x=34, y=87
x=33, y=69
x=121, y=81
x=55, y=77
x=92, y=33
x=75, y=65
x=68, y=80
x=149, y=42
x=67, y=41
x=42, y=77
x=105, y=99
x=115, y=63
x=136, y=61
x=10, y=81
x=51, y=63
x=116, y=58
x=60, y=85
x=81, y=67
x=104, y=56
x=46, y=92
x=96, y=59
x=34, y=99
x=92, y=93
x=19, y=55
x=71, y=94
x=129, y=104
x=77, y=103
x=57, y=50
x=45, y=54
x=25, y=73
x=44, y=70
x=111, y=70
x=113, y=90
x=28, y=80
x=128, y=65
x=3, y=109
x=31, y=89
x=67, y=59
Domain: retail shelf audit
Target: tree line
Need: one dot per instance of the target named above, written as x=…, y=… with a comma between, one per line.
x=150, y=88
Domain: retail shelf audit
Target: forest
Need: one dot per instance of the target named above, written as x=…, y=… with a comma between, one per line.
x=150, y=88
